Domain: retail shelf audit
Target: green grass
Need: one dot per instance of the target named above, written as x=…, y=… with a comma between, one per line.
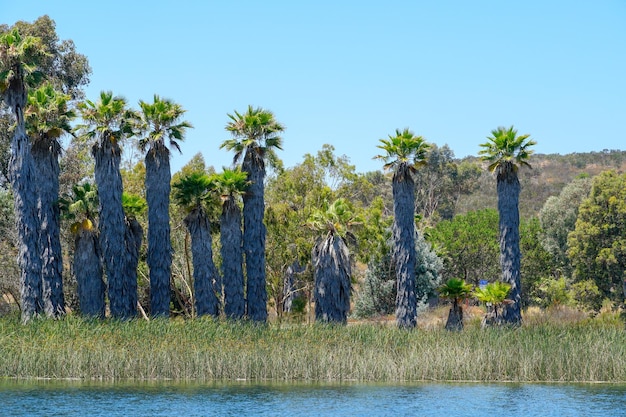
x=205, y=350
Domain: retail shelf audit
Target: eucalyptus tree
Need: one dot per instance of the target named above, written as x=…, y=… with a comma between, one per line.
x=19, y=69
x=404, y=153
x=256, y=135
x=107, y=122
x=160, y=122
x=82, y=208
x=232, y=183
x=48, y=117
x=331, y=261
x=193, y=192
x=506, y=152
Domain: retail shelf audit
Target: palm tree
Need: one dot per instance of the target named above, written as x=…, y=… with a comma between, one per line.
x=82, y=208
x=47, y=118
x=133, y=206
x=232, y=183
x=404, y=153
x=494, y=295
x=193, y=192
x=109, y=121
x=19, y=59
x=457, y=290
x=506, y=152
x=160, y=122
x=331, y=261
x=256, y=135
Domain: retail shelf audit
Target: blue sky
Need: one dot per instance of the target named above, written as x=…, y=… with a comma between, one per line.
x=349, y=72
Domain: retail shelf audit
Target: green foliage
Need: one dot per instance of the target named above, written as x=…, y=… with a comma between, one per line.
x=377, y=293
x=134, y=205
x=48, y=116
x=404, y=152
x=455, y=289
x=468, y=245
x=160, y=121
x=537, y=263
x=106, y=119
x=505, y=151
x=597, y=246
x=257, y=130
x=493, y=293
x=558, y=219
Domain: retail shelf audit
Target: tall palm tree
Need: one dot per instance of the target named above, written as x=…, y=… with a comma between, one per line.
x=331, y=261
x=160, y=122
x=48, y=117
x=193, y=192
x=506, y=152
x=108, y=121
x=133, y=206
x=256, y=135
x=232, y=184
x=19, y=59
x=404, y=153
x=82, y=208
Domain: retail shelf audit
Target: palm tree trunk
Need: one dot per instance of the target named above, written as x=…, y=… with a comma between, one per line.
x=158, y=179
x=404, y=250
x=455, y=317
x=508, y=200
x=133, y=238
x=254, y=237
x=47, y=168
x=204, y=270
x=22, y=175
x=88, y=273
x=232, y=259
x=331, y=261
x=111, y=223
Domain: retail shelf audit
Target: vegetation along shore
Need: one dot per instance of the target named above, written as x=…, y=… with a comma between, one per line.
x=591, y=350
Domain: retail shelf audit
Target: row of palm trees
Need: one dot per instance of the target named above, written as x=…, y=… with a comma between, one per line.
x=255, y=137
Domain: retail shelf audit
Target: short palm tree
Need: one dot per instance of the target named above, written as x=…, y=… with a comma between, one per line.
x=256, y=135
x=457, y=290
x=331, y=261
x=506, y=152
x=232, y=184
x=404, y=153
x=107, y=122
x=494, y=295
x=19, y=60
x=161, y=126
x=193, y=192
x=48, y=118
x=82, y=208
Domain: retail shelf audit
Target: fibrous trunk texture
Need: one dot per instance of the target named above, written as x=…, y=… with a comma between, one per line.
x=112, y=226
x=204, y=270
x=254, y=237
x=158, y=179
x=455, y=317
x=89, y=275
x=508, y=200
x=331, y=262
x=133, y=238
x=23, y=180
x=46, y=160
x=232, y=259
x=291, y=285
x=404, y=249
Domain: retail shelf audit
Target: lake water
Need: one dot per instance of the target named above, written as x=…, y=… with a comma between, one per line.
x=247, y=399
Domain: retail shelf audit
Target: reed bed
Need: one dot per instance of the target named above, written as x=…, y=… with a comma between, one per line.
x=207, y=350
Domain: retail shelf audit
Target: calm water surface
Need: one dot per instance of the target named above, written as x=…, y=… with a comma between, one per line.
x=180, y=399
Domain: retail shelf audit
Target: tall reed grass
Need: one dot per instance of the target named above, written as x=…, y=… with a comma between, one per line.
x=206, y=350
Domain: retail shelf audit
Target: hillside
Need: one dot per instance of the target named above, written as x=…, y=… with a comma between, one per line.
x=549, y=174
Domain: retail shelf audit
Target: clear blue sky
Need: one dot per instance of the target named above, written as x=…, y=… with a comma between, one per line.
x=350, y=72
